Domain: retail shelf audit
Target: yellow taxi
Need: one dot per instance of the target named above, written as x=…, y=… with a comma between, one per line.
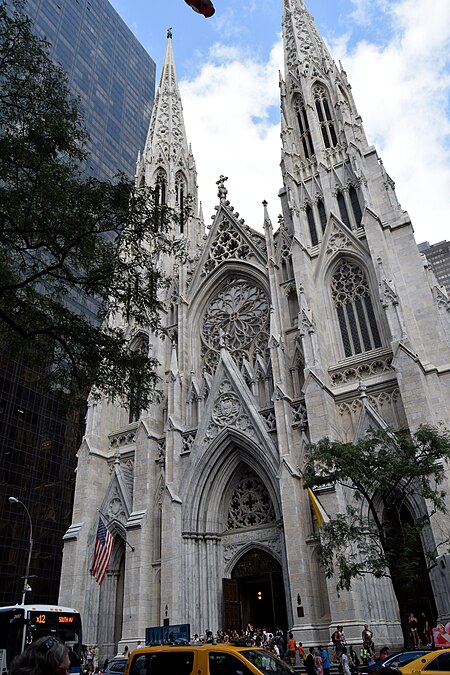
x=209, y=659
x=432, y=663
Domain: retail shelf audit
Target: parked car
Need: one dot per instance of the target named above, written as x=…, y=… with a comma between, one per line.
x=432, y=663
x=394, y=661
x=116, y=666
x=208, y=659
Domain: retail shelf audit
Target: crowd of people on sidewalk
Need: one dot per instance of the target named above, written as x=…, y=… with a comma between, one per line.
x=316, y=660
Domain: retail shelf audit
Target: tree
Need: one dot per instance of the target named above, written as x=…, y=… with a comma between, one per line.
x=391, y=475
x=66, y=236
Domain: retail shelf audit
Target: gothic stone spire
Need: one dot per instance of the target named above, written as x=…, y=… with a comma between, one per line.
x=317, y=92
x=167, y=159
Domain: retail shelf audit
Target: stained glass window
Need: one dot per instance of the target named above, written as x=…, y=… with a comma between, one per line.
x=305, y=134
x=356, y=316
x=325, y=118
x=312, y=225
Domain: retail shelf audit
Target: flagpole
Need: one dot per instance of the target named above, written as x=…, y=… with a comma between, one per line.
x=313, y=497
x=107, y=522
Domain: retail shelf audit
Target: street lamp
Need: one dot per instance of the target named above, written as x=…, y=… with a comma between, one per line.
x=14, y=500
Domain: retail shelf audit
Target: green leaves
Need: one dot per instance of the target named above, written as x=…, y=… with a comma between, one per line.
x=392, y=485
x=75, y=252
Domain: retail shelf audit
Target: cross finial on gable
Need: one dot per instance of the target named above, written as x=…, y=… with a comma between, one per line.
x=222, y=192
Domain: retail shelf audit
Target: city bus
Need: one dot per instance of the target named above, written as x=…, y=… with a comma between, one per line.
x=22, y=624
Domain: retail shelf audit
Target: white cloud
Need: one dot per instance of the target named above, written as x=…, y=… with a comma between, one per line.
x=401, y=89
x=226, y=110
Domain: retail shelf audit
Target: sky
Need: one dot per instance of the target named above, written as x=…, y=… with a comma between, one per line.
x=397, y=57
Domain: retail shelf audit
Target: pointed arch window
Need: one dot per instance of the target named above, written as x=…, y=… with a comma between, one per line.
x=305, y=133
x=298, y=375
x=192, y=410
x=325, y=118
x=135, y=400
x=312, y=225
x=322, y=215
x=161, y=187
x=287, y=268
x=180, y=194
x=343, y=210
x=356, y=207
x=351, y=295
x=293, y=305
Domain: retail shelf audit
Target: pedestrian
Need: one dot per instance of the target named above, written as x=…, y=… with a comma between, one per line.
x=339, y=641
x=425, y=630
x=45, y=656
x=291, y=649
x=318, y=662
x=345, y=662
x=90, y=659
x=353, y=660
x=367, y=639
x=326, y=665
x=364, y=655
x=384, y=653
x=139, y=644
x=309, y=663
x=301, y=652
x=413, y=630
x=126, y=652
x=96, y=656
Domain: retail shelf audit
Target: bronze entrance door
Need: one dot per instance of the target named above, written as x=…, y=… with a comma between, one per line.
x=255, y=593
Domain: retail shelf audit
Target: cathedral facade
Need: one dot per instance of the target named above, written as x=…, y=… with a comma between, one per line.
x=325, y=325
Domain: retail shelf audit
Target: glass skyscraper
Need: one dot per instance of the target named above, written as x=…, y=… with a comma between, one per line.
x=108, y=69
x=114, y=78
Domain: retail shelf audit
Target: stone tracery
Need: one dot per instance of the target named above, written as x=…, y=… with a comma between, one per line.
x=250, y=503
x=237, y=318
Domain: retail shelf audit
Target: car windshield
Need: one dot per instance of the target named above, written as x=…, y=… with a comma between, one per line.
x=267, y=664
x=404, y=658
x=116, y=666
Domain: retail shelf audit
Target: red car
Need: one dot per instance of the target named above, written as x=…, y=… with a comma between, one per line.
x=204, y=7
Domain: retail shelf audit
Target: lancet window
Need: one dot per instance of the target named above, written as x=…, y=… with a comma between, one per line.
x=180, y=194
x=349, y=207
x=305, y=133
x=293, y=305
x=298, y=375
x=343, y=209
x=192, y=410
x=322, y=214
x=357, y=322
x=356, y=207
x=161, y=187
x=325, y=118
x=140, y=345
x=312, y=225
x=287, y=268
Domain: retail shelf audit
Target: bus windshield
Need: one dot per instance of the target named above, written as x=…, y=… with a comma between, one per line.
x=20, y=625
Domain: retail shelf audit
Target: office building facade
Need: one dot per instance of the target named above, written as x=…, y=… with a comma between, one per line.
x=115, y=79
x=438, y=255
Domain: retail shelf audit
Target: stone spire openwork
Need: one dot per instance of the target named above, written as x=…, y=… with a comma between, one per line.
x=167, y=159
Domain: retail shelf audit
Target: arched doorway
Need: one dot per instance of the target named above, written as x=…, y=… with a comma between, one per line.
x=410, y=576
x=255, y=593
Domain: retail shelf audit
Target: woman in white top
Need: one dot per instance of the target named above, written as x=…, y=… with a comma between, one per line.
x=345, y=662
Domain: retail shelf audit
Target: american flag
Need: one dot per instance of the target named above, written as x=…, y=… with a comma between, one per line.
x=104, y=543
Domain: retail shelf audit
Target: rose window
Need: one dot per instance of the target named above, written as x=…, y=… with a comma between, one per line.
x=237, y=319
